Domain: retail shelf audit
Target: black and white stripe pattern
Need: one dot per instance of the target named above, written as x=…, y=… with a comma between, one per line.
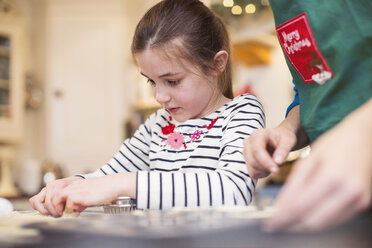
x=209, y=171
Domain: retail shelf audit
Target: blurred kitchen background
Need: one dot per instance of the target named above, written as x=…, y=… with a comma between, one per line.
x=70, y=92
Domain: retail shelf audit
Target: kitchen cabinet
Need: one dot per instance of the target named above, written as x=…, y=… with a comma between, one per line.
x=4, y=75
x=11, y=80
x=11, y=96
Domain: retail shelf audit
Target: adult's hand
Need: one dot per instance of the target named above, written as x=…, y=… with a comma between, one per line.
x=42, y=201
x=266, y=149
x=334, y=183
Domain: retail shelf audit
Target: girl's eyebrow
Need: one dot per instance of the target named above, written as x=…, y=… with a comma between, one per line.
x=143, y=74
x=168, y=74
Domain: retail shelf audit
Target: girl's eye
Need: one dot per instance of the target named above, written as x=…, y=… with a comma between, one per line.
x=173, y=82
x=151, y=82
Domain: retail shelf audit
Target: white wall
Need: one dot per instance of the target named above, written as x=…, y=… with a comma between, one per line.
x=271, y=83
x=52, y=26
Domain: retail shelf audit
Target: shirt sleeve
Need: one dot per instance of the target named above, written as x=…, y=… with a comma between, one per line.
x=295, y=102
x=228, y=184
x=132, y=156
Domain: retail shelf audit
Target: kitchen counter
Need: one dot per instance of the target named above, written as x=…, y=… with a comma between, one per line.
x=20, y=203
x=193, y=228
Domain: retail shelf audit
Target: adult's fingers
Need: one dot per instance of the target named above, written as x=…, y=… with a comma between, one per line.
x=295, y=197
x=248, y=155
x=332, y=212
x=283, y=147
x=259, y=142
x=255, y=170
x=335, y=208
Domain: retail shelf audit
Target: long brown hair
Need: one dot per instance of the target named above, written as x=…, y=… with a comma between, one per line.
x=201, y=32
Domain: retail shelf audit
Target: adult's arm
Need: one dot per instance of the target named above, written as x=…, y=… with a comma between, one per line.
x=334, y=183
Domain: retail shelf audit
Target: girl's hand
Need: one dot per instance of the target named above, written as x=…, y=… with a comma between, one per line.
x=333, y=183
x=82, y=194
x=94, y=191
x=266, y=149
x=42, y=202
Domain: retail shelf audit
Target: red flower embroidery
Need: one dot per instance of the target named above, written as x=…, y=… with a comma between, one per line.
x=175, y=140
x=168, y=129
x=211, y=124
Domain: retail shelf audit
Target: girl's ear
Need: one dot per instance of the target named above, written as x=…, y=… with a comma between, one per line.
x=220, y=60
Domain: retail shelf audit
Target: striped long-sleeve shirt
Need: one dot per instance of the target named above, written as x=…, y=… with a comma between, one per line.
x=195, y=163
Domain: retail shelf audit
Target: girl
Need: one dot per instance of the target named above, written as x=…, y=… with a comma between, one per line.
x=189, y=153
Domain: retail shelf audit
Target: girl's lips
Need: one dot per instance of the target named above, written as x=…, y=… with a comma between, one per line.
x=173, y=110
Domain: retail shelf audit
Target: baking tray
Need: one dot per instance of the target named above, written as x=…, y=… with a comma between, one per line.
x=189, y=228
x=156, y=224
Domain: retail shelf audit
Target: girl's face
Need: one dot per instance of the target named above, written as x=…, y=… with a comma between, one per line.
x=179, y=87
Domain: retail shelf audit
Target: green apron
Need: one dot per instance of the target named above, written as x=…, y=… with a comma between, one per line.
x=329, y=53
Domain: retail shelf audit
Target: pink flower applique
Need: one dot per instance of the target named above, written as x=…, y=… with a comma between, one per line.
x=175, y=140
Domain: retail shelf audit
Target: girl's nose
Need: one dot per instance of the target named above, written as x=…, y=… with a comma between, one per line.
x=161, y=94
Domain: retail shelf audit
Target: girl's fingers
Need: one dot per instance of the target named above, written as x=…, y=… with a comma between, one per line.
x=39, y=206
x=75, y=204
x=49, y=202
x=37, y=202
x=59, y=203
x=37, y=198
